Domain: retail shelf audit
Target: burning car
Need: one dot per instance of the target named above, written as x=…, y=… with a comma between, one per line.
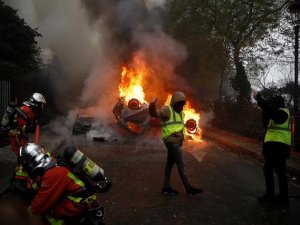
x=132, y=116
x=132, y=110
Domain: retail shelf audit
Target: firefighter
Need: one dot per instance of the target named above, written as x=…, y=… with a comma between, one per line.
x=172, y=119
x=276, y=147
x=24, y=122
x=62, y=197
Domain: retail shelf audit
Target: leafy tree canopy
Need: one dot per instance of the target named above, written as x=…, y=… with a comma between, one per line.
x=19, y=52
x=227, y=29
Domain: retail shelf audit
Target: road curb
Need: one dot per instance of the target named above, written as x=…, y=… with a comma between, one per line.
x=231, y=143
x=237, y=149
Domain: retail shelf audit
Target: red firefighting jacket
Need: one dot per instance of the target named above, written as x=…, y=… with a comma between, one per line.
x=29, y=112
x=56, y=193
x=21, y=122
x=17, y=136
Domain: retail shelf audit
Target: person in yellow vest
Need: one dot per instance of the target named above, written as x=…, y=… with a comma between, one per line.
x=172, y=117
x=276, y=147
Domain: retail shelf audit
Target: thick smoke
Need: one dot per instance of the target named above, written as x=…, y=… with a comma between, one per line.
x=67, y=33
x=69, y=37
x=92, y=39
x=134, y=28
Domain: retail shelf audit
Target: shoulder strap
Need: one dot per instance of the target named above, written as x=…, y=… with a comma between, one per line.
x=21, y=113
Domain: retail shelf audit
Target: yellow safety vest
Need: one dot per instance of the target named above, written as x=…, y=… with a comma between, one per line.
x=280, y=132
x=174, y=124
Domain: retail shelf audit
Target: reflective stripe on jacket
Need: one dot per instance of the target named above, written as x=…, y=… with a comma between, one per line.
x=78, y=182
x=53, y=221
x=174, y=124
x=57, y=187
x=279, y=132
x=21, y=173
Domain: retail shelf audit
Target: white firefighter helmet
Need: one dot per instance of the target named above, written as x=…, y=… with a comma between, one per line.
x=33, y=157
x=37, y=99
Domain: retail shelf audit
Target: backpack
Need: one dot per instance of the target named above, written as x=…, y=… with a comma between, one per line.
x=8, y=120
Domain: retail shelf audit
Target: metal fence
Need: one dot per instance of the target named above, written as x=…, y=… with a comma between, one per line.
x=5, y=96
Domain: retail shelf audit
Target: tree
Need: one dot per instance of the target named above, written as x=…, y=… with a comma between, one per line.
x=19, y=52
x=243, y=23
x=236, y=25
x=210, y=63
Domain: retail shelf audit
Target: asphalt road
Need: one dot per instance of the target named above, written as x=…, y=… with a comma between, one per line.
x=231, y=185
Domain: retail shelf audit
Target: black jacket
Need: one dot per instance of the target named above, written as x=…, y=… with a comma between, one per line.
x=271, y=149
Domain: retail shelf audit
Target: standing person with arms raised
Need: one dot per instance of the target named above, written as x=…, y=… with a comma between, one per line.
x=276, y=147
x=172, y=118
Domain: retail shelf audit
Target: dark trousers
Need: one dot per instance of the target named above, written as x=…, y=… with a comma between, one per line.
x=175, y=156
x=275, y=159
x=279, y=165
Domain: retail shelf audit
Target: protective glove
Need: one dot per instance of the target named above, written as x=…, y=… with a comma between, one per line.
x=152, y=108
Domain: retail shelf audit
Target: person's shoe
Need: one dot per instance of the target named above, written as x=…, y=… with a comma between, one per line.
x=169, y=191
x=266, y=199
x=193, y=191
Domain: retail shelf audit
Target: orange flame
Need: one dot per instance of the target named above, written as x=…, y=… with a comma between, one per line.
x=131, y=81
x=131, y=87
x=189, y=113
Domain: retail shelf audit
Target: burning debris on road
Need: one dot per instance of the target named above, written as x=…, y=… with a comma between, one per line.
x=82, y=125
